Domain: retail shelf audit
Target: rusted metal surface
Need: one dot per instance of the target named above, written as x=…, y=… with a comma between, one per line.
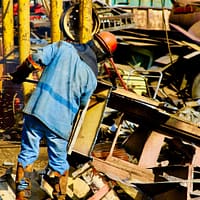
x=142, y=109
x=162, y=129
x=137, y=107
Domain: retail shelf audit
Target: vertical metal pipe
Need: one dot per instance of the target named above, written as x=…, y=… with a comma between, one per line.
x=86, y=24
x=7, y=41
x=55, y=14
x=8, y=28
x=8, y=64
x=24, y=29
x=24, y=39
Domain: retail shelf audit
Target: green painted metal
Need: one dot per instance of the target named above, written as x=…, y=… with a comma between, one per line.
x=144, y=3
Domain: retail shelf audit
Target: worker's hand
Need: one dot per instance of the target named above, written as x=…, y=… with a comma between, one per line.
x=17, y=77
x=20, y=74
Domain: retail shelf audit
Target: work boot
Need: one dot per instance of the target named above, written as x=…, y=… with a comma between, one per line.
x=23, y=182
x=58, y=183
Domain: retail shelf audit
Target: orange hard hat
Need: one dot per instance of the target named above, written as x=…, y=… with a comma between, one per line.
x=107, y=41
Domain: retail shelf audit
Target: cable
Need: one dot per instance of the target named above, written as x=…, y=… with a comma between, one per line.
x=166, y=32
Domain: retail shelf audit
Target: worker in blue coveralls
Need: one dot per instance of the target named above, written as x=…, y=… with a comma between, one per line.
x=68, y=79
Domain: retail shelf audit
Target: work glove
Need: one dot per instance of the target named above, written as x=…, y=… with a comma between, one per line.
x=21, y=73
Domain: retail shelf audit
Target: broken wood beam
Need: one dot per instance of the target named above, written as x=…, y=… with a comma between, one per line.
x=118, y=169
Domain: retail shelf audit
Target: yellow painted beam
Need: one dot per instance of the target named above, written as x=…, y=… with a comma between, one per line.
x=86, y=22
x=7, y=44
x=55, y=14
x=8, y=27
x=24, y=29
x=24, y=40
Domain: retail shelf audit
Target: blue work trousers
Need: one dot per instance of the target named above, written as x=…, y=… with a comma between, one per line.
x=33, y=131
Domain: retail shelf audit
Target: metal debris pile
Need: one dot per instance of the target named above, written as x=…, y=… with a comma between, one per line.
x=143, y=140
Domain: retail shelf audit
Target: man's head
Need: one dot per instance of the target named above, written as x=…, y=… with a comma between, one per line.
x=107, y=41
x=105, y=44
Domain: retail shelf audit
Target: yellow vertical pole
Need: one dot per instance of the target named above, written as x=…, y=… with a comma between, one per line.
x=7, y=35
x=24, y=38
x=85, y=15
x=55, y=14
x=8, y=28
x=24, y=29
x=8, y=64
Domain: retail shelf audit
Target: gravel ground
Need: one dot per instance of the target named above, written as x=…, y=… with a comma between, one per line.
x=9, y=152
x=8, y=157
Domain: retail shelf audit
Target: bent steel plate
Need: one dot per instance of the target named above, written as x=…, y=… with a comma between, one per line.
x=188, y=34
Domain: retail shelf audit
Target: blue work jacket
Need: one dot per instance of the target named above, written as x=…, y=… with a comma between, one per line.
x=66, y=83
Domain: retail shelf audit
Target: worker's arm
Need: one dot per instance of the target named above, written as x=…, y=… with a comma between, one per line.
x=23, y=70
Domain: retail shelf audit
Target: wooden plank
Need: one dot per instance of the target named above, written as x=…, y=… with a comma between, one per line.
x=190, y=184
x=118, y=169
x=116, y=135
x=183, y=127
x=133, y=96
